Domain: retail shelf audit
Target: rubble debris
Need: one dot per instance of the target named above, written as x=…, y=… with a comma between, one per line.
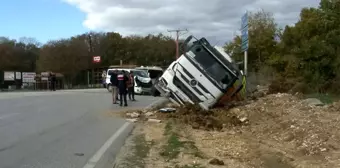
x=244, y=119
x=313, y=102
x=133, y=114
x=133, y=120
x=148, y=114
x=260, y=91
x=154, y=120
x=167, y=110
x=216, y=162
x=334, y=107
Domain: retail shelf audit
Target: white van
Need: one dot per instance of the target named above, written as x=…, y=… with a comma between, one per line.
x=142, y=80
x=154, y=73
x=143, y=83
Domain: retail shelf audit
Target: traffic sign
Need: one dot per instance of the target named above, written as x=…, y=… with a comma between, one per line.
x=244, y=32
x=244, y=20
x=96, y=59
x=245, y=46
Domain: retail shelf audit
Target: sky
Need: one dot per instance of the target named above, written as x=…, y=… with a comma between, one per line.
x=41, y=19
x=218, y=20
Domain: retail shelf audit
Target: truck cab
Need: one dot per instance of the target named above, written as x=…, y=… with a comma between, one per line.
x=203, y=75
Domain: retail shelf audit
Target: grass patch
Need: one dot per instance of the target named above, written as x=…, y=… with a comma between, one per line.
x=174, y=146
x=142, y=146
x=141, y=150
x=168, y=128
x=324, y=98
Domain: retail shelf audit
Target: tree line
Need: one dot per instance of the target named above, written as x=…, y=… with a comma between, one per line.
x=303, y=57
x=306, y=58
x=71, y=55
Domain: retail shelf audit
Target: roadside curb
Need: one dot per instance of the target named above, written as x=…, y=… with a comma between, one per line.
x=161, y=101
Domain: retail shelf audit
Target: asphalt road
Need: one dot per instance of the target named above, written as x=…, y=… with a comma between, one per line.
x=62, y=129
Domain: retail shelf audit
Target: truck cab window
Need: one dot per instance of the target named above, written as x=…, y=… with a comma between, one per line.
x=217, y=71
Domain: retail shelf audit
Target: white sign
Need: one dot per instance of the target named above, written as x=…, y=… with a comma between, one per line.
x=44, y=76
x=28, y=77
x=9, y=76
x=17, y=75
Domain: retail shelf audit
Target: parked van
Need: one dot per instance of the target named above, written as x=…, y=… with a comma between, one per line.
x=154, y=73
x=142, y=80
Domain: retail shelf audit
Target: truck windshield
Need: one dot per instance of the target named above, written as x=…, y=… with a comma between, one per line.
x=213, y=68
x=140, y=73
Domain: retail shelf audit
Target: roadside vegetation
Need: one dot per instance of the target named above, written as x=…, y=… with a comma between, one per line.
x=303, y=58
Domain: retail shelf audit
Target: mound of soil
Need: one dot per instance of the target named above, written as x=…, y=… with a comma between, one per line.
x=215, y=119
x=300, y=134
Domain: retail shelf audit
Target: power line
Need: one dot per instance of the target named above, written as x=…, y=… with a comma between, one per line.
x=178, y=33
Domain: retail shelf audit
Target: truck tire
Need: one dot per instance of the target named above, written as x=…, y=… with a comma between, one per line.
x=154, y=91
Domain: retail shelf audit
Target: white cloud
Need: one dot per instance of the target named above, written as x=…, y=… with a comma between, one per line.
x=217, y=20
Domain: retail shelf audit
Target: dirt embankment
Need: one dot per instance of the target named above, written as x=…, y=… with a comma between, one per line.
x=277, y=130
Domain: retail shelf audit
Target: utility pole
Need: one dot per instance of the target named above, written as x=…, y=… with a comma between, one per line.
x=178, y=33
x=91, y=55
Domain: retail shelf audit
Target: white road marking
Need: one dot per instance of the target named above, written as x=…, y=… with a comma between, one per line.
x=8, y=115
x=96, y=157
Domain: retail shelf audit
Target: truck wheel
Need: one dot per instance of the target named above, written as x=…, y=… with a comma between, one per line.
x=155, y=93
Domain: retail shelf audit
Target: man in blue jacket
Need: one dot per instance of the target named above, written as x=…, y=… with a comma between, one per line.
x=122, y=87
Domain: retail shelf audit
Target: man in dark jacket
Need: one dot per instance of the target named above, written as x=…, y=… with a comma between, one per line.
x=53, y=81
x=122, y=87
x=114, y=83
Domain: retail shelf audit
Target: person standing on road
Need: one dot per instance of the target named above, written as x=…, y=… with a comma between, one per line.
x=122, y=80
x=50, y=81
x=53, y=81
x=104, y=78
x=114, y=83
x=131, y=85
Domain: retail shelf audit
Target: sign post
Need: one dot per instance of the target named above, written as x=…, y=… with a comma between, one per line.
x=245, y=41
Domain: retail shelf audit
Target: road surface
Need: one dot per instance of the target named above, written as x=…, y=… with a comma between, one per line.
x=62, y=129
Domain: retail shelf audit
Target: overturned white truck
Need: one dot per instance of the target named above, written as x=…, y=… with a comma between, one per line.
x=203, y=75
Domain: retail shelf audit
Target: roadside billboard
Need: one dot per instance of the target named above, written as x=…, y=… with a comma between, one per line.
x=9, y=76
x=18, y=75
x=44, y=76
x=28, y=77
